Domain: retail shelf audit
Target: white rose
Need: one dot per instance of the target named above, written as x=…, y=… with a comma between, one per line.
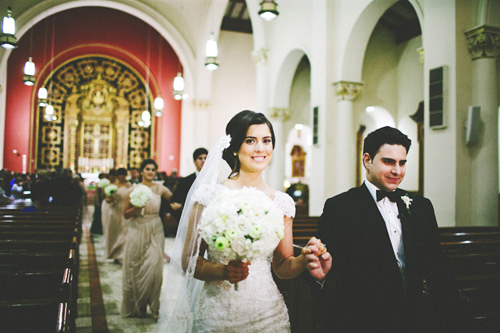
x=238, y=246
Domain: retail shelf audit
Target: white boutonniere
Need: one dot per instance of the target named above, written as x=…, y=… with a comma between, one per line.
x=407, y=200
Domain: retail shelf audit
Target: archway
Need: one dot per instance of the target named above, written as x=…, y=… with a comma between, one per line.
x=98, y=104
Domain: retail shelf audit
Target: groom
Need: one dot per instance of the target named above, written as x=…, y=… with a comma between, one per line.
x=382, y=243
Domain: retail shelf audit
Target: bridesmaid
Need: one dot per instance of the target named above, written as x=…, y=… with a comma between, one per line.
x=143, y=260
x=117, y=225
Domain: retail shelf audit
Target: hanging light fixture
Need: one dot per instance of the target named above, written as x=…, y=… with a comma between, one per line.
x=49, y=109
x=178, y=85
x=29, y=72
x=145, y=119
x=42, y=91
x=268, y=10
x=29, y=67
x=158, y=105
x=146, y=115
x=7, y=39
x=49, y=113
x=211, y=54
x=42, y=96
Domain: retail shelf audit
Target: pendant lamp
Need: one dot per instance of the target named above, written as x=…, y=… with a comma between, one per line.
x=211, y=53
x=7, y=39
x=29, y=72
x=158, y=105
x=42, y=96
x=268, y=10
x=178, y=85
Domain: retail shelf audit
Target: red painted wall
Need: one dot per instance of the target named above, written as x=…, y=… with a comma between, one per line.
x=82, y=31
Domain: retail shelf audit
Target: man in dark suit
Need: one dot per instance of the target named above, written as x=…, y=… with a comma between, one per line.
x=181, y=191
x=382, y=242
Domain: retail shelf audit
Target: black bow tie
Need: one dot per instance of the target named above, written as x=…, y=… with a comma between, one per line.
x=393, y=196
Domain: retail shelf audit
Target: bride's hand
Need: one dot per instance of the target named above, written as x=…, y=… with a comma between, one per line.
x=236, y=270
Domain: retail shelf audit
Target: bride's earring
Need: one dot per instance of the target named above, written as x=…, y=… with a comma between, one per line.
x=235, y=169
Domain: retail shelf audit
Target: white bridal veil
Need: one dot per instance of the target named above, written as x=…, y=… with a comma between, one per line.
x=180, y=289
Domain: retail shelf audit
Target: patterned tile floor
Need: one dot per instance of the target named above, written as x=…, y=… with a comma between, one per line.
x=110, y=282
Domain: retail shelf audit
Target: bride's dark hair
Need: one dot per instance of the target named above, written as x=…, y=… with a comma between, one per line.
x=237, y=128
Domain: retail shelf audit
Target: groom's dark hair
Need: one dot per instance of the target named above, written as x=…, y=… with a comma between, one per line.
x=385, y=135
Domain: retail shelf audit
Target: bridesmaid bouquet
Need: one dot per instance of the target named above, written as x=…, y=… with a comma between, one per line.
x=103, y=183
x=242, y=224
x=140, y=196
x=110, y=190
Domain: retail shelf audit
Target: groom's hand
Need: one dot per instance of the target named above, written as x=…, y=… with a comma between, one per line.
x=237, y=270
x=318, y=265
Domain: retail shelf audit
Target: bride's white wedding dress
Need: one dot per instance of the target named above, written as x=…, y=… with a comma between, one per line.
x=257, y=305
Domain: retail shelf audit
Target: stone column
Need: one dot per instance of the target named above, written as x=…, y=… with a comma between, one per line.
x=276, y=176
x=344, y=136
x=201, y=121
x=484, y=47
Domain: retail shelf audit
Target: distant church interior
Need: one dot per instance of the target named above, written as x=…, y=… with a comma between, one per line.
x=88, y=87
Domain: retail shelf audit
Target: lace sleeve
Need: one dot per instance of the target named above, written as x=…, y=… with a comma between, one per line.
x=205, y=193
x=285, y=202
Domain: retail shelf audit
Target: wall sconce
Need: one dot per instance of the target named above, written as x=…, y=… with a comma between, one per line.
x=268, y=10
x=8, y=40
x=178, y=85
x=158, y=105
x=29, y=72
x=211, y=53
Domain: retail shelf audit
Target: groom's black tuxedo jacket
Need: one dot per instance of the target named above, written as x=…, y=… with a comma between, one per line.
x=365, y=290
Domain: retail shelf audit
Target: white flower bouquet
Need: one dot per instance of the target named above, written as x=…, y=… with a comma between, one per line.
x=243, y=224
x=103, y=183
x=110, y=190
x=140, y=195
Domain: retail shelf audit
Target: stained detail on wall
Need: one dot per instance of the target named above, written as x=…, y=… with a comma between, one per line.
x=98, y=103
x=298, y=161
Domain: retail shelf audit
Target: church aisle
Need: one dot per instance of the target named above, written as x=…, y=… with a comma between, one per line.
x=99, y=310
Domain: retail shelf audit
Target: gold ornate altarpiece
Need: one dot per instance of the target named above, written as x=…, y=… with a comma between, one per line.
x=98, y=103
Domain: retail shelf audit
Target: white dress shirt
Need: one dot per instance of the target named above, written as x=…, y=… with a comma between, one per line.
x=389, y=211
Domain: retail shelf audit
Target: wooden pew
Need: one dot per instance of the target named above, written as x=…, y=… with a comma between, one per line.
x=66, y=313
x=304, y=227
x=473, y=254
x=38, y=270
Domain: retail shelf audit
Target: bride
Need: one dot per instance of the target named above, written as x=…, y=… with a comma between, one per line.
x=208, y=289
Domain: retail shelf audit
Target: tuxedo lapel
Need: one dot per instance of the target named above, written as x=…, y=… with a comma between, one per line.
x=374, y=223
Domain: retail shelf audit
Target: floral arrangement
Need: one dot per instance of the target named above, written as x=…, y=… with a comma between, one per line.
x=110, y=190
x=140, y=196
x=242, y=224
x=103, y=183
